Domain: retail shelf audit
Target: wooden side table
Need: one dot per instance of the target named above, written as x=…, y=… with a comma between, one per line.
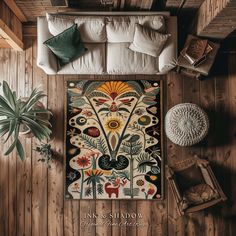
x=184, y=67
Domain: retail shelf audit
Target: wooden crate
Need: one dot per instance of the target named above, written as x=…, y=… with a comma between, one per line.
x=205, y=175
x=215, y=19
x=184, y=67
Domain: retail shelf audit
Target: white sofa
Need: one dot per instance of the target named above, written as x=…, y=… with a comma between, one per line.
x=107, y=37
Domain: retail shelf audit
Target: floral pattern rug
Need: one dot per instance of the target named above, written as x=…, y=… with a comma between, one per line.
x=113, y=140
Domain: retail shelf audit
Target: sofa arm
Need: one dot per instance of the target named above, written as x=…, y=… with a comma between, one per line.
x=45, y=59
x=168, y=56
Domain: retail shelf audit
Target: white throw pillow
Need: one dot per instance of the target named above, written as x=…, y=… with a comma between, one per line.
x=58, y=23
x=148, y=41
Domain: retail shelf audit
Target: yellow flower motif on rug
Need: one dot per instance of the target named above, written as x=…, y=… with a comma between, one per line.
x=113, y=124
x=114, y=88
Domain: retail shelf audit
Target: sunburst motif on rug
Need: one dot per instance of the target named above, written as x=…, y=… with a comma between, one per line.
x=113, y=140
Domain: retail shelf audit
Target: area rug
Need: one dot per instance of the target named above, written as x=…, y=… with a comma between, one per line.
x=113, y=140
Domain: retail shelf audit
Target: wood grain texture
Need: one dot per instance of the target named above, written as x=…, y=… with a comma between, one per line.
x=71, y=218
x=173, y=3
x=132, y=229
x=16, y=10
x=10, y=27
x=231, y=160
x=215, y=19
x=24, y=171
x=55, y=176
x=39, y=170
x=32, y=197
x=34, y=8
x=145, y=209
x=30, y=30
x=104, y=209
x=173, y=152
x=12, y=222
x=87, y=224
x=184, y=4
x=191, y=93
x=4, y=187
x=123, y=209
x=116, y=231
x=4, y=44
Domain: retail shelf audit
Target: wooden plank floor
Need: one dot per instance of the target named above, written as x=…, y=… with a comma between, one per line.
x=31, y=196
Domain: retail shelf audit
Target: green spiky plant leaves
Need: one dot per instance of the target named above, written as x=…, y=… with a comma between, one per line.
x=14, y=113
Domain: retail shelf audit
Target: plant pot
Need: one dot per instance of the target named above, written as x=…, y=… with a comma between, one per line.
x=25, y=131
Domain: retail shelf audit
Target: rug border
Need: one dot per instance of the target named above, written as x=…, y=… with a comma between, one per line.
x=160, y=80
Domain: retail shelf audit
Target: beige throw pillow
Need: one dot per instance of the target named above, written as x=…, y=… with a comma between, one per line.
x=148, y=41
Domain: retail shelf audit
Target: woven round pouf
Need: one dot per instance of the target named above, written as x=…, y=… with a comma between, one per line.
x=186, y=124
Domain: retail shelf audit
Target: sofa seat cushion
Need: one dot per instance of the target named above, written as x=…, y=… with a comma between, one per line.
x=92, y=62
x=92, y=29
x=122, y=60
x=121, y=28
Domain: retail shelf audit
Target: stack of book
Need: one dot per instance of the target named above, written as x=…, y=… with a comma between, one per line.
x=196, y=51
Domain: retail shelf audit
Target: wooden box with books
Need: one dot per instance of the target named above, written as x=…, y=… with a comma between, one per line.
x=197, y=56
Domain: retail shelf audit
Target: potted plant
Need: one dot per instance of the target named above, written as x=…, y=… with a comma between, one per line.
x=22, y=116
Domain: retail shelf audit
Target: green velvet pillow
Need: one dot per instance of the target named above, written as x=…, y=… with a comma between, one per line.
x=67, y=45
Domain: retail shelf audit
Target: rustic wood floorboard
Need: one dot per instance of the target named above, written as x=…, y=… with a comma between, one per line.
x=32, y=197
x=39, y=171
x=12, y=168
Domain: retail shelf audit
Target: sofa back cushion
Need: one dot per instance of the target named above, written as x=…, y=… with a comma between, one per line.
x=121, y=28
x=58, y=23
x=92, y=28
